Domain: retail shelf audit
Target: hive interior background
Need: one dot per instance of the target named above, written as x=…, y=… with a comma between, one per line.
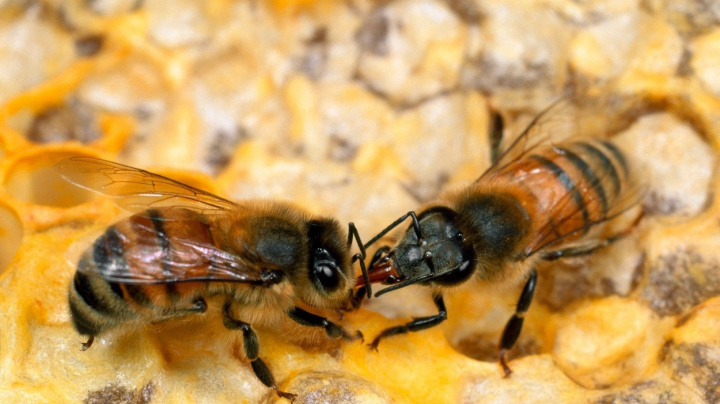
x=364, y=110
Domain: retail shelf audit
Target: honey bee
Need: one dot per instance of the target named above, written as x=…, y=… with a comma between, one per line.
x=546, y=197
x=184, y=245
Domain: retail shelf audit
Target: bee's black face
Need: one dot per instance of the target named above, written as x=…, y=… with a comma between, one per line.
x=441, y=251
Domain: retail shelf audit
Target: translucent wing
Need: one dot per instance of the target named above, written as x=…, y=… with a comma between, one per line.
x=134, y=189
x=557, y=123
x=132, y=251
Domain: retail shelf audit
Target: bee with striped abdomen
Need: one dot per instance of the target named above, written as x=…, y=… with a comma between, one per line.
x=184, y=245
x=546, y=197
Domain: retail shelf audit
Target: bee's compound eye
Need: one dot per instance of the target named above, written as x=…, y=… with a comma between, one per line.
x=327, y=276
x=324, y=271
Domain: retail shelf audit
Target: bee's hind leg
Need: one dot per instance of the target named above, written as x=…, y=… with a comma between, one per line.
x=199, y=306
x=514, y=325
x=589, y=248
x=251, y=346
x=576, y=251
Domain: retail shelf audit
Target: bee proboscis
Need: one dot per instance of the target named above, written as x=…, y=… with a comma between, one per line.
x=183, y=245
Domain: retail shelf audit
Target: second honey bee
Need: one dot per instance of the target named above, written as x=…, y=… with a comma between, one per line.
x=184, y=245
x=545, y=198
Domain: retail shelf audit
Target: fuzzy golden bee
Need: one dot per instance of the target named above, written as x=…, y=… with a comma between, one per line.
x=546, y=197
x=184, y=245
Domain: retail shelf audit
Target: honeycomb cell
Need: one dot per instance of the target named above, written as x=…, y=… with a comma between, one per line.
x=31, y=178
x=658, y=144
x=120, y=394
x=75, y=121
x=680, y=280
x=328, y=387
x=387, y=43
x=606, y=342
x=11, y=234
x=612, y=271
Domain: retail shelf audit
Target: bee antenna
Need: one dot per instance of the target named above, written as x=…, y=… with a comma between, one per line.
x=353, y=232
x=416, y=226
x=396, y=223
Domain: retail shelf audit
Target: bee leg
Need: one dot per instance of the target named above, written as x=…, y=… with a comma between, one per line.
x=359, y=294
x=579, y=250
x=352, y=232
x=420, y=323
x=514, y=325
x=332, y=330
x=251, y=346
x=496, y=135
x=576, y=251
x=379, y=255
x=87, y=344
x=396, y=223
x=199, y=306
x=356, y=299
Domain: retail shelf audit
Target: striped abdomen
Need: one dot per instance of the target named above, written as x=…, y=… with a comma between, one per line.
x=111, y=283
x=569, y=188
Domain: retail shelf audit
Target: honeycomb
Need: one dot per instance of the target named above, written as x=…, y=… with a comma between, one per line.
x=363, y=110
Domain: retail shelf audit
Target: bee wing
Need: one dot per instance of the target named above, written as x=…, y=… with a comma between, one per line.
x=557, y=123
x=145, y=260
x=134, y=189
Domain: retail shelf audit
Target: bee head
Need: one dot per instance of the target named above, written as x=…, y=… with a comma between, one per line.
x=448, y=245
x=440, y=254
x=329, y=272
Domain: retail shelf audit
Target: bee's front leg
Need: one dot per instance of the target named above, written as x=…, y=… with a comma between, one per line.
x=357, y=296
x=333, y=330
x=251, y=345
x=418, y=324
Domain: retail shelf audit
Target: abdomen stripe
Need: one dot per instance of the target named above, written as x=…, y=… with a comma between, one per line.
x=617, y=154
x=164, y=243
x=567, y=182
x=605, y=163
x=590, y=177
